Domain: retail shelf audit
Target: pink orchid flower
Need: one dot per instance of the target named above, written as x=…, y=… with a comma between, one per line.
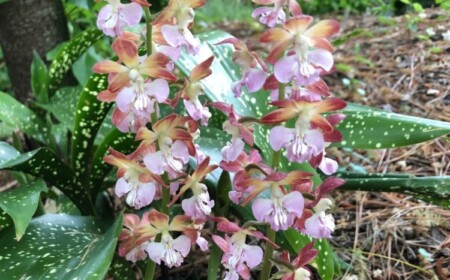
x=198, y=207
x=312, y=92
x=306, y=140
x=130, y=246
x=239, y=128
x=275, y=15
x=252, y=77
x=171, y=251
x=114, y=16
x=281, y=209
x=193, y=89
x=135, y=181
x=238, y=257
x=133, y=71
x=297, y=35
x=320, y=224
x=297, y=270
x=173, y=136
x=174, y=23
x=131, y=120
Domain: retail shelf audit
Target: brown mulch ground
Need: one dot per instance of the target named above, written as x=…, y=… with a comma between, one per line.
x=389, y=235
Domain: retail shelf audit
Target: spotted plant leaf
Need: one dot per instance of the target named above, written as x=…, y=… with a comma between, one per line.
x=21, y=203
x=324, y=262
x=124, y=143
x=63, y=105
x=16, y=115
x=59, y=246
x=44, y=164
x=68, y=55
x=120, y=269
x=374, y=129
x=434, y=189
x=5, y=220
x=89, y=115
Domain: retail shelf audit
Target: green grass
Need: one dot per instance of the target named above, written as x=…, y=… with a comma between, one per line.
x=225, y=10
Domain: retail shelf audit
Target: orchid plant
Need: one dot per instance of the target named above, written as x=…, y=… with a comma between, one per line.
x=219, y=149
x=298, y=54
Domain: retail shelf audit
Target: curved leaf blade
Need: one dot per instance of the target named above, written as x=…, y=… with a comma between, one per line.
x=66, y=247
x=89, y=116
x=382, y=130
x=21, y=203
x=16, y=115
x=433, y=189
x=69, y=54
x=7, y=152
x=43, y=163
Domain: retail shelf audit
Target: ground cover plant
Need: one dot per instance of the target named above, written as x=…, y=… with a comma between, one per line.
x=213, y=148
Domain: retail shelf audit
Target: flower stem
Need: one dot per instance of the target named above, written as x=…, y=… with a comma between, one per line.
x=148, y=31
x=270, y=233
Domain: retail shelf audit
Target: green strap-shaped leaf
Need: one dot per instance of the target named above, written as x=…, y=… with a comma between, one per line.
x=431, y=189
x=59, y=247
x=374, y=129
x=21, y=203
x=43, y=163
x=69, y=54
x=39, y=78
x=324, y=262
x=15, y=114
x=89, y=115
x=115, y=139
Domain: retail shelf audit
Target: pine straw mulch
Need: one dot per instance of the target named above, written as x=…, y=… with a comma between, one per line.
x=390, y=235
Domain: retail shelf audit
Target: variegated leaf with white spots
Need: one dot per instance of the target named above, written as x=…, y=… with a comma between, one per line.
x=18, y=116
x=44, y=164
x=59, y=247
x=89, y=116
x=21, y=203
x=433, y=189
x=375, y=129
x=68, y=55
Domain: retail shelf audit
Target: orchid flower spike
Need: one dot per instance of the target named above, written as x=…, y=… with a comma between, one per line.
x=114, y=16
x=275, y=15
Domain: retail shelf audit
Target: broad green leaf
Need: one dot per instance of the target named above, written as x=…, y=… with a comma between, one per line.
x=5, y=220
x=63, y=105
x=69, y=54
x=434, y=189
x=82, y=68
x=121, y=269
x=39, y=78
x=59, y=247
x=117, y=140
x=7, y=152
x=16, y=115
x=380, y=130
x=89, y=115
x=43, y=163
x=21, y=203
x=324, y=262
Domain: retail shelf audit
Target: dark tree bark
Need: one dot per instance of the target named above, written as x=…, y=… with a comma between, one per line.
x=27, y=25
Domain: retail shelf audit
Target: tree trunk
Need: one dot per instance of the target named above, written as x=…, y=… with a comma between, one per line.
x=28, y=25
